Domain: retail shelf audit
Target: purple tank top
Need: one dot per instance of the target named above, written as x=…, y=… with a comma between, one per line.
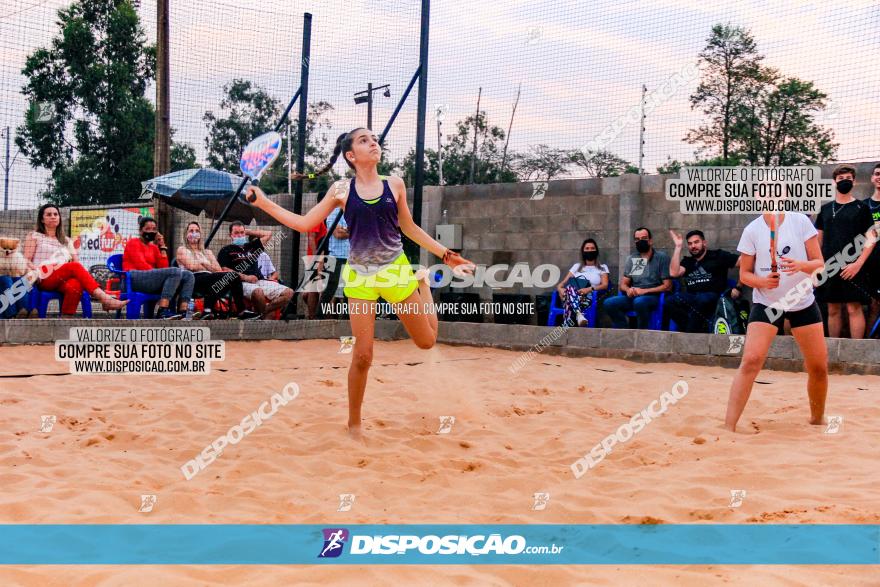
x=374, y=232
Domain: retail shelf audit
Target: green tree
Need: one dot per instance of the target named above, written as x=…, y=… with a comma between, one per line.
x=601, y=163
x=457, y=155
x=540, y=163
x=183, y=156
x=731, y=74
x=777, y=126
x=248, y=111
x=320, y=141
x=89, y=123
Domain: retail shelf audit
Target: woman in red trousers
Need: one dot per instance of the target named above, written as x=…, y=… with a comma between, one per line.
x=51, y=255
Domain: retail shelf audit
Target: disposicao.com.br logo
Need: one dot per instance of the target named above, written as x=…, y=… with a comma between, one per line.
x=430, y=544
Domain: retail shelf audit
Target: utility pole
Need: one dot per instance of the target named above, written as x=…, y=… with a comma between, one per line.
x=642, y=133
x=509, y=128
x=162, y=145
x=370, y=105
x=439, y=147
x=476, y=134
x=162, y=141
x=6, y=174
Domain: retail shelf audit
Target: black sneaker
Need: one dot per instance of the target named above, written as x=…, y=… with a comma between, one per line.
x=168, y=314
x=248, y=315
x=206, y=315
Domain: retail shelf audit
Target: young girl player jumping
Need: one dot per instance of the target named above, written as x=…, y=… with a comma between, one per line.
x=375, y=209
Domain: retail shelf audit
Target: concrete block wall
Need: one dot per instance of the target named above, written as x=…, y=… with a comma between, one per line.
x=860, y=357
x=502, y=217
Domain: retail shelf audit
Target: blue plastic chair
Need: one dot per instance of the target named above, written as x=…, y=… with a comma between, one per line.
x=138, y=300
x=40, y=299
x=676, y=286
x=655, y=322
x=556, y=310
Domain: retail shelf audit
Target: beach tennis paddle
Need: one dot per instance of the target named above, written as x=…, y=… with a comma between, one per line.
x=259, y=155
x=774, y=230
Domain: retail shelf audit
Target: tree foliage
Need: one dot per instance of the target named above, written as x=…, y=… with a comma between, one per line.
x=755, y=114
x=247, y=111
x=458, y=154
x=601, y=163
x=89, y=122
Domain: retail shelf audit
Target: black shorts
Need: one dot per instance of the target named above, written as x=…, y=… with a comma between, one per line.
x=797, y=318
x=838, y=290
x=872, y=279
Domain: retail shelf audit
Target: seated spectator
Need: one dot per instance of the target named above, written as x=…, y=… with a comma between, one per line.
x=577, y=287
x=339, y=248
x=645, y=276
x=241, y=256
x=317, y=279
x=705, y=279
x=146, y=260
x=211, y=281
x=50, y=254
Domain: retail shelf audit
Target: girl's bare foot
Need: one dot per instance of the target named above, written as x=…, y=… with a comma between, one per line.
x=355, y=433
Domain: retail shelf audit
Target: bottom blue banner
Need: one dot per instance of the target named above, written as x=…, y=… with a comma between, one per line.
x=209, y=544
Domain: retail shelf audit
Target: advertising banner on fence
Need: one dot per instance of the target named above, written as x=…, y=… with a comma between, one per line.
x=98, y=233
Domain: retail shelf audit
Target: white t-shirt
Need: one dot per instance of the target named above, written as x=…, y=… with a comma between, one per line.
x=589, y=272
x=795, y=230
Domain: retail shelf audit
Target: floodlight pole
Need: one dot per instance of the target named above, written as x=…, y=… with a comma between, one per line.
x=301, y=136
x=422, y=112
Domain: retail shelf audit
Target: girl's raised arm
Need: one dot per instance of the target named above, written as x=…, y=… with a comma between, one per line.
x=298, y=222
x=415, y=232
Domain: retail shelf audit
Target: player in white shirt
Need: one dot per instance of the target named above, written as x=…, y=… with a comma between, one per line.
x=784, y=295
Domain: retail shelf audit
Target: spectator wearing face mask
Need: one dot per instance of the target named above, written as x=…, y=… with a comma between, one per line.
x=872, y=267
x=211, y=280
x=242, y=256
x=645, y=276
x=705, y=279
x=146, y=260
x=576, y=289
x=839, y=223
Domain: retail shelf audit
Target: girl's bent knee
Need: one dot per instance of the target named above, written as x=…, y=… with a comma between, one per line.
x=362, y=359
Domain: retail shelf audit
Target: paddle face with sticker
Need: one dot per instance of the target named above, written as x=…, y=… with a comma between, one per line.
x=259, y=155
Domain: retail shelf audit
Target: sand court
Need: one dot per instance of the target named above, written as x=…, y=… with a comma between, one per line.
x=513, y=436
